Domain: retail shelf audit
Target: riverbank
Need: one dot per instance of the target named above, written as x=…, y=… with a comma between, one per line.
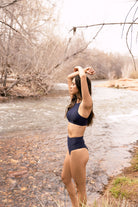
x=25, y=92
x=122, y=83
x=122, y=189
x=19, y=92
x=29, y=172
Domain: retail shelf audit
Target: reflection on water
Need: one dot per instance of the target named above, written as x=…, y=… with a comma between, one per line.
x=110, y=138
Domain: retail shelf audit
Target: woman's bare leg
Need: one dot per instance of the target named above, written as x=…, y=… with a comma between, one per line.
x=79, y=159
x=67, y=180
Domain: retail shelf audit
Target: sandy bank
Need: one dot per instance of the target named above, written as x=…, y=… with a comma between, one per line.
x=122, y=83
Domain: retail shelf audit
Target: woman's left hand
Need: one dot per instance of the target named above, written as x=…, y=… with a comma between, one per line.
x=88, y=70
x=77, y=68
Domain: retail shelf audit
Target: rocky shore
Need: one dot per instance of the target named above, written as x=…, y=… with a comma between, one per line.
x=31, y=168
x=30, y=175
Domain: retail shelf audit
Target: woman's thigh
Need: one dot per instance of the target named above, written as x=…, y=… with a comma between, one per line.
x=79, y=159
x=66, y=171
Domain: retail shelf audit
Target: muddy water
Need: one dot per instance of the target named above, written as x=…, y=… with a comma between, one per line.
x=110, y=139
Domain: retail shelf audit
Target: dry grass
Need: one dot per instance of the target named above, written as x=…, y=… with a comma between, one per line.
x=133, y=75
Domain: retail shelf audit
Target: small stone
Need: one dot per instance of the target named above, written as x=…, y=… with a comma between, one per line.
x=23, y=189
x=14, y=161
x=17, y=173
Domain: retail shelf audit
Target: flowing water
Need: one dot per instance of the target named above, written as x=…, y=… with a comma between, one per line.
x=110, y=139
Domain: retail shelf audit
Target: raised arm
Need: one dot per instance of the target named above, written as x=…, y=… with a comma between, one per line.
x=70, y=78
x=78, y=70
x=86, y=97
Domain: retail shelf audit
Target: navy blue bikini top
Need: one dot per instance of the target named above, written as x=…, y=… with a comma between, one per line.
x=74, y=117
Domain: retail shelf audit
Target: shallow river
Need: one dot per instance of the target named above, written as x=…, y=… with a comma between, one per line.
x=110, y=139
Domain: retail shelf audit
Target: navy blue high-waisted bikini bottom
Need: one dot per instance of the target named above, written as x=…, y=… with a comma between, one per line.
x=76, y=143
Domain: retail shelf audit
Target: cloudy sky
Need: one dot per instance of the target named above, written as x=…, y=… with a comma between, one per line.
x=88, y=12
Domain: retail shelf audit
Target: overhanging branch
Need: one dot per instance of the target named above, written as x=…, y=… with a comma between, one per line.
x=129, y=49
x=102, y=24
x=110, y=24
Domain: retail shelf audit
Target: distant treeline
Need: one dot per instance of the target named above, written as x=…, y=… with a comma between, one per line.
x=106, y=65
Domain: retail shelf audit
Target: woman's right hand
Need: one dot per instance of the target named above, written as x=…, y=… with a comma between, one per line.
x=89, y=70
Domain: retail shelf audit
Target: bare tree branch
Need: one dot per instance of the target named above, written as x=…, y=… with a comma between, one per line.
x=13, y=84
x=98, y=32
x=10, y=26
x=72, y=55
x=9, y=4
x=16, y=31
x=102, y=24
x=132, y=25
x=11, y=13
x=127, y=16
x=129, y=48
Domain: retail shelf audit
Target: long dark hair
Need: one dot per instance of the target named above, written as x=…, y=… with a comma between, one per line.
x=74, y=98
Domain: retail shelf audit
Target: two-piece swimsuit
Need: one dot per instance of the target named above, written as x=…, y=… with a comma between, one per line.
x=74, y=117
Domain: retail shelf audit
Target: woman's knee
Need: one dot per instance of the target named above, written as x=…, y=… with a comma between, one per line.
x=65, y=179
x=81, y=186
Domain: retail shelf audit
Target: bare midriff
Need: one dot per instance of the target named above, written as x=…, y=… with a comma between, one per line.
x=75, y=130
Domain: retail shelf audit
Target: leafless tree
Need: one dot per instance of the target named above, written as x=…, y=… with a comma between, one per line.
x=29, y=47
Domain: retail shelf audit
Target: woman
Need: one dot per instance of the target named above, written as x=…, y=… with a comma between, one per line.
x=79, y=115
